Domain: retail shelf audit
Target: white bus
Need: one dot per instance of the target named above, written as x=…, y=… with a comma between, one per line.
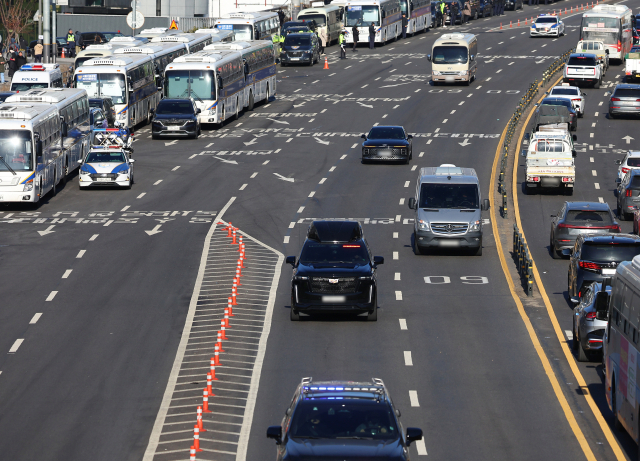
x=218, y=35
x=328, y=21
x=418, y=13
x=161, y=54
x=259, y=61
x=104, y=50
x=260, y=25
x=384, y=14
x=214, y=79
x=128, y=80
x=43, y=136
x=612, y=25
x=194, y=42
x=37, y=76
x=157, y=31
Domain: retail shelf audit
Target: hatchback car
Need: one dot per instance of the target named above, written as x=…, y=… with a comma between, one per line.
x=573, y=113
x=335, y=272
x=625, y=99
x=387, y=144
x=106, y=104
x=576, y=218
x=631, y=161
x=570, y=93
x=628, y=194
x=97, y=38
x=300, y=49
x=590, y=320
x=595, y=257
x=175, y=117
x=342, y=420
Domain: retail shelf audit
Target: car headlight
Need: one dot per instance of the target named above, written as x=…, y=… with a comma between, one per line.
x=474, y=226
x=436, y=72
x=28, y=186
x=299, y=278
x=122, y=115
x=423, y=225
x=124, y=172
x=463, y=72
x=84, y=172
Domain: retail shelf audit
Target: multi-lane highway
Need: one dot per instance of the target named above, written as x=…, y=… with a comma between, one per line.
x=112, y=300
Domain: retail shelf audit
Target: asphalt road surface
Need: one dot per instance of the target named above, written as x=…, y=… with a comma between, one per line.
x=111, y=299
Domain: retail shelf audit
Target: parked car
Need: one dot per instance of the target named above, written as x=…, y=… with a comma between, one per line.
x=590, y=320
x=628, y=194
x=96, y=38
x=61, y=41
x=625, y=99
x=5, y=94
x=106, y=104
x=514, y=5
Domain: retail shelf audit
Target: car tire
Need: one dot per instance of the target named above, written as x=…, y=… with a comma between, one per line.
x=616, y=421
x=153, y=136
x=568, y=191
x=283, y=64
x=582, y=354
x=237, y=116
x=553, y=251
x=54, y=189
x=621, y=215
x=596, y=85
x=373, y=316
x=416, y=249
x=251, y=102
x=478, y=251
x=611, y=115
x=574, y=341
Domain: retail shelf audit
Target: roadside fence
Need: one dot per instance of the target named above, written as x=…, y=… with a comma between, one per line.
x=524, y=263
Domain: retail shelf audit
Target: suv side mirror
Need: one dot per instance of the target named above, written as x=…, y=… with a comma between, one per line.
x=378, y=260
x=602, y=305
x=618, y=180
x=275, y=432
x=485, y=204
x=364, y=136
x=574, y=137
x=429, y=57
x=574, y=153
x=198, y=110
x=472, y=58
x=409, y=136
x=618, y=162
x=412, y=203
x=413, y=434
x=291, y=260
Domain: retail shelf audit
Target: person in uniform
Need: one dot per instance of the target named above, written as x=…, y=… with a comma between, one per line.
x=372, y=36
x=404, y=26
x=71, y=43
x=356, y=35
x=341, y=41
x=440, y=14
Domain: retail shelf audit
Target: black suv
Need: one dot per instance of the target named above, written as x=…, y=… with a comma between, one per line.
x=595, y=257
x=300, y=48
x=106, y=104
x=342, y=420
x=175, y=117
x=387, y=143
x=335, y=272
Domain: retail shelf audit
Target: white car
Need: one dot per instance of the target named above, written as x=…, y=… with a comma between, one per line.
x=572, y=93
x=106, y=166
x=547, y=25
x=631, y=161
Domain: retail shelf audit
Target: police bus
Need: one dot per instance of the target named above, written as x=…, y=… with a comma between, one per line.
x=161, y=55
x=259, y=61
x=218, y=35
x=44, y=133
x=214, y=79
x=260, y=25
x=328, y=22
x=418, y=14
x=128, y=80
x=610, y=24
x=384, y=14
x=105, y=50
x=193, y=42
x=37, y=76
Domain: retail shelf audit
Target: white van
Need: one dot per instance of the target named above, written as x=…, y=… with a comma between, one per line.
x=37, y=76
x=453, y=58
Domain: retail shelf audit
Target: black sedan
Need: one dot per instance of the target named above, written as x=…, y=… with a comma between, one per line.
x=575, y=218
x=300, y=49
x=334, y=273
x=175, y=117
x=387, y=144
x=573, y=114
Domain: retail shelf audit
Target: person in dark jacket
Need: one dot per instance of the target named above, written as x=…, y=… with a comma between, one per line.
x=372, y=36
x=405, y=22
x=281, y=16
x=12, y=66
x=356, y=35
x=21, y=60
x=453, y=13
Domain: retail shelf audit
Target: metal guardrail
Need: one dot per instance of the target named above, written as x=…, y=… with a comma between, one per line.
x=524, y=263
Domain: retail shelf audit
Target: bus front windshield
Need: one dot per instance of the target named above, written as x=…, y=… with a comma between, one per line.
x=320, y=19
x=606, y=30
x=24, y=86
x=15, y=150
x=450, y=55
x=196, y=84
x=363, y=15
x=98, y=85
x=242, y=31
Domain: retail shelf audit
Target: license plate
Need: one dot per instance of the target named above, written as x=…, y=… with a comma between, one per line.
x=103, y=179
x=334, y=299
x=384, y=153
x=295, y=59
x=608, y=271
x=173, y=128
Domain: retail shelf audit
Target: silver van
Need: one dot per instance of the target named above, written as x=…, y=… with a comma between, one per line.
x=448, y=209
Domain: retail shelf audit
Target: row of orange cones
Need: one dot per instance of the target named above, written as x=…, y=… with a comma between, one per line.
x=566, y=11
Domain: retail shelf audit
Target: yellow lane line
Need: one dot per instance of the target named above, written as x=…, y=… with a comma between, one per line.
x=554, y=321
x=532, y=334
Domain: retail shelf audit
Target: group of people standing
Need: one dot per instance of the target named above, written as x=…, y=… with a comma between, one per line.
x=16, y=56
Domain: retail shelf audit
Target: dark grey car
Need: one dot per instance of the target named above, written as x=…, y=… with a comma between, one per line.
x=590, y=320
x=575, y=218
x=625, y=99
x=628, y=194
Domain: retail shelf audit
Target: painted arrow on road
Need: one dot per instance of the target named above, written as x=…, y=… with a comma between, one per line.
x=47, y=231
x=397, y=84
x=628, y=139
x=326, y=143
x=300, y=105
x=252, y=142
x=464, y=143
x=175, y=141
x=366, y=105
x=233, y=162
x=155, y=230
x=283, y=178
x=278, y=121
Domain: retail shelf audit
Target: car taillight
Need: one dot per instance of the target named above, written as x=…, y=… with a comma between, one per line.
x=629, y=193
x=619, y=47
x=625, y=170
x=567, y=226
x=589, y=266
x=615, y=99
x=576, y=100
x=591, y=315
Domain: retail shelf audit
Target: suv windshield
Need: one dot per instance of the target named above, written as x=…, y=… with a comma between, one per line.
x=317, y=252
x=444, y=195
x=175, y=107
x=344, y=419
x=582, y=61
x=386, y=133
x=450, y=55
x=609, y=252
x=296, y=40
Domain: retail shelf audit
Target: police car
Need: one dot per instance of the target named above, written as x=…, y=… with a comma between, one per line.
x=547, y=25
x=106, y=166
x=37, y=76
x=572, y=93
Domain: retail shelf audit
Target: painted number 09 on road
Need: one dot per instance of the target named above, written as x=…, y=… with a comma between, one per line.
x=468, y=280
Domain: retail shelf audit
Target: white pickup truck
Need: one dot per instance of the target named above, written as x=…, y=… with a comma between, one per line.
x=550, y=159
x=632, y=67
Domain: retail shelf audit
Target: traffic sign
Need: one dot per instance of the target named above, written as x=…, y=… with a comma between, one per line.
x=173, y=25
x=139, y=21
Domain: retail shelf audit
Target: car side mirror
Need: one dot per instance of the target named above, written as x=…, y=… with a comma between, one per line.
x=291, y=260
x=364, y=136
x=485, y=204
x=584, y=94
x=131, y=160
x=618, y=162
x=80, y=161
x=377, y=260
x=412, y=203
x=429, y=57
x=602, y=305
x=398, y=414
x=409, y=137
x=574, y=137
x=152, y=111
x=618, y=180
x=567, y=252
x=472, y=58
x=574, y=153
x=413, y=434
x=198, y=111
x=275, y=432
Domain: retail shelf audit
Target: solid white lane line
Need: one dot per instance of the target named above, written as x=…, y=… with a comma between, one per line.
x=421, y=447
x=67, y=273
x=395, y=255
x=15, y=346
x=35, y=318
x=286, y=239
x=125, y=208
x=254, y=175
x=395, y=235
x=141, y=195
x=401, y=201
x=413, y=397
x=157, y=182
x=403, y=324
x=406, y=183
x=243, y=186
x=93, y=237
x=51, y=296
x=396, y=276
x=81, y=254
x=597, y=186
x=398, y=295
x=322, y=181
x=408, y=361
x=300, y=209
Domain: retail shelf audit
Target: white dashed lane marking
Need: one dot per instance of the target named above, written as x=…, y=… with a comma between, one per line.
x=569, y=334
x=125, y=208
x=35, y=318
x=157, y=182
x=421, y=447
x=401, y=201
x=93, y=237
x=396, y=255
x=403, y=324
x=243, y=187
x=398, y=295
x=15, y=346
x=395, y=235
x=254, y=175
x=597, y=186
x=594, y=172
x=408, y=361
x=312, y=194
x=175, y=168
x=81, y=254
x=413, y=397
x=51, y=296
x=406, y=184
x=286, y=239
x=141, y=195
x=600, y=199
x=396, y=276
x=67, y=273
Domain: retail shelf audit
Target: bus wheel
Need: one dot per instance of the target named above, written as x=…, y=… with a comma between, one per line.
x=616, y=421
x=65, y=172
x=251, y=101
x=266, y=101
x=54, y=189
x=235, y=117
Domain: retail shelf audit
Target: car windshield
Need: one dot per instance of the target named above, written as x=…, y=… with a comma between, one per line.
x=106, y=157
x=546, y=21
x=98, y=85
x=15, y=150
x=386, y=133
x=197, y=84
x=318, y=252
x=633, y=161
x=582, y=61
x=450, y=55
x=592, y=251
x=320, y=19
x=588, y=217
x=565, y=91
x=23, y=86
x=445, y=195
x=363, y=15
x=350, y=418
x=627, y=93
x=175, y=107
x=296, y=40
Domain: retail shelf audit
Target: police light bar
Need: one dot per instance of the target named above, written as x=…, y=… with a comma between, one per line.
x=39, y=67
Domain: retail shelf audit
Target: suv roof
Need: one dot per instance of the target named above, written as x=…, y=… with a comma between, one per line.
x=610, y=239
x=596, y=206
x=335, y=231
x=373, y=390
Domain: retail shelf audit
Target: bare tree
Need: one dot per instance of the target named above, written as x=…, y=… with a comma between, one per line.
x=17, y=16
